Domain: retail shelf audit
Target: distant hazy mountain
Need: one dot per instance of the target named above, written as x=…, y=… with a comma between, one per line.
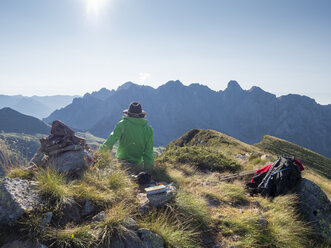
x=12, y=121
x=173, y=109
x=37, y=106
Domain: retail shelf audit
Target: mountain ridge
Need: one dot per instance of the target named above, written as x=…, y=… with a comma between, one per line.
x=174, y=108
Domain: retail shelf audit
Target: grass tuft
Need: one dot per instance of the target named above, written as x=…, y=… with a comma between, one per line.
x=76, y=237
x=53, y=186
x=174, y=233
x=112, y=225
x=20, y=172
x=192, y=209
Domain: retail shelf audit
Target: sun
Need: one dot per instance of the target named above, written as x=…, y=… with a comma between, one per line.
x=93, y=7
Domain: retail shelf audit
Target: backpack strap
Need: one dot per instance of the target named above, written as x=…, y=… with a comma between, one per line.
x=262, y=186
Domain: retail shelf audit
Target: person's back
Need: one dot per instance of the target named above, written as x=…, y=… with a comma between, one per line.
x=135, y=137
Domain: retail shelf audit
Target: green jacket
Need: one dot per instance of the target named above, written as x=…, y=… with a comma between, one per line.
x=135, y=141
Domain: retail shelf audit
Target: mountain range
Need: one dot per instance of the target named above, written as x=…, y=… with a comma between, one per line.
x=37, y=106
x=173, y=109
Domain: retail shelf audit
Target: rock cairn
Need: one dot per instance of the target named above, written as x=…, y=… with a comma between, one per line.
x=62, y=149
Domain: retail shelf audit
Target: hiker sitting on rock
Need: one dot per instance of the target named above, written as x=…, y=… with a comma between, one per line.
x=134, y=136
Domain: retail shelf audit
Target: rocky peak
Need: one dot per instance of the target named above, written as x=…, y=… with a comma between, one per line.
x=126, y=86
x=233, y=86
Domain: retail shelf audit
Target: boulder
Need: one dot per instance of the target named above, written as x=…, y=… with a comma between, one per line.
x=64, y=150
x=69, y=214
x=127, y=239
x=150, y=239
x=71, y=162
x=316, y=208
x=16, y=197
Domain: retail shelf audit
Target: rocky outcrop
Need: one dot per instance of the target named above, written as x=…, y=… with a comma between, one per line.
x=16, y=197
x=316, y=208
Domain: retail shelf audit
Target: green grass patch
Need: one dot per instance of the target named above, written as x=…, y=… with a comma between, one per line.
x=285, y=227
x=192, y=209
x=20, y=172
x=201, y=157
x=315, y=161
x=244, y=228
x=233, y=193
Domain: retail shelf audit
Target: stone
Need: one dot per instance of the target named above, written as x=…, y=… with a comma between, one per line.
x=131, y=224
x=71, y=162
x=243, y=157
x=99, y=217
x=70, y=213
x=266, y=157
x=150, y=239
x=88, y=208
x=262, y=221
x=47, y=218
x=127, y=239
x=59, y=128
x=156, y=200
x=316, y=208
x=16, y=197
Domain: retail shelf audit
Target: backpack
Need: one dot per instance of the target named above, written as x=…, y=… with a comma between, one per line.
x=276, y=179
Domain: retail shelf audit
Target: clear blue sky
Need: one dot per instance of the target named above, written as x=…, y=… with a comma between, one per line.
x=78, y=46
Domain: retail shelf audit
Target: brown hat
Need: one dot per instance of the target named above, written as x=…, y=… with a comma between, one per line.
x=135, y=110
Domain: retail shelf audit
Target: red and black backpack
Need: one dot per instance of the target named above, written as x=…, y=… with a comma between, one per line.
x=277, y=178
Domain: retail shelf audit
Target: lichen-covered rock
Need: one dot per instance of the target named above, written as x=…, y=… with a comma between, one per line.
x=16, y=197
x=316, y=207
x=150, y=239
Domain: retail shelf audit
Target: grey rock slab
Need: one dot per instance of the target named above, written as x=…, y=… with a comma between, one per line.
x=71, y=162
x=150, y=239
x=16, y=197
x=316, y=207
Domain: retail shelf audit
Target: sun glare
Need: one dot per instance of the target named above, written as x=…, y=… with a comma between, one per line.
x=94, y=7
